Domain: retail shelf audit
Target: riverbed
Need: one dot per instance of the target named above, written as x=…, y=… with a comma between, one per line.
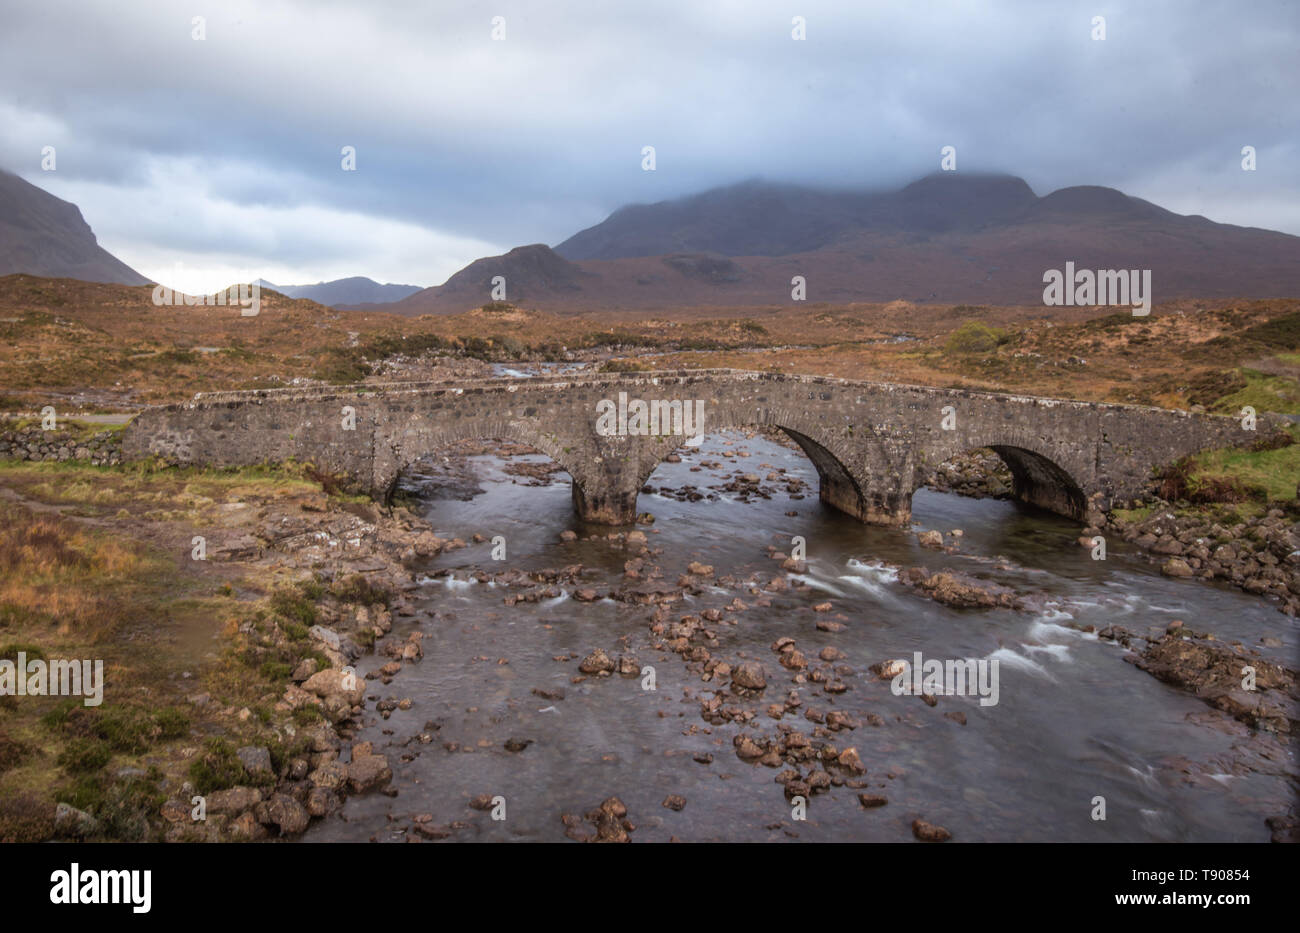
x=1073, y=723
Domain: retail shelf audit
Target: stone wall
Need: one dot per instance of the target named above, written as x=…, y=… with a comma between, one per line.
x=33, y=443
x=873, y=444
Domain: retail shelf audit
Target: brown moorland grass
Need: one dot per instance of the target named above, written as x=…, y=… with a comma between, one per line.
x=117, y=585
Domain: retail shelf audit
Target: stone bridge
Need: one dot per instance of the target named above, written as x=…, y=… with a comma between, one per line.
x=873, y=444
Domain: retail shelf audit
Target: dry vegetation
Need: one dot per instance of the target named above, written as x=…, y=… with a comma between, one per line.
x=94, y=564
x=107, y=347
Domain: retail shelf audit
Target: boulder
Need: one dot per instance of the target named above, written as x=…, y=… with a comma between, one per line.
x=335, y=684
x=749, y=675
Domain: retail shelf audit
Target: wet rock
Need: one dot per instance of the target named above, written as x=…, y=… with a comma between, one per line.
x=797, y=788
x=286, y=813
x=428, y=830
x=749, y=675
x=598, y=662
x=330, y=774
x=837, y=720
x=1176, y=567
x=1215, y=672
x=233, y=800
x=321, y=801
x=517, y=745
x=930, y=539
x=849, y=758
x=674, y=802
x=929, y=832
x=367, y=770
x=959, y=591
x=1167, y=544
x=335, y=684
x=818, y=781
x=609, y=819
x=247, y=828
x=792, y=660
x=872, y=800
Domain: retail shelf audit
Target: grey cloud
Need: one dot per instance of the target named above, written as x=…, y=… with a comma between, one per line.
x=532, y=138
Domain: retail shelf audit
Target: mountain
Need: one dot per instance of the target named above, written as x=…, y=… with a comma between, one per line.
x=759, y=219
x=946, y=238
x=43, y=235
x=343, y=293
x=532, y=273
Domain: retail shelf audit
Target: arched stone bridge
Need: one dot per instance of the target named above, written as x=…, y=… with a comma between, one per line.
x=873, y=443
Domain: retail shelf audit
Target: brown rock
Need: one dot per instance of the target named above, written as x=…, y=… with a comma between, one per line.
x=597, y=663
x=749, y=675
x=929, y=832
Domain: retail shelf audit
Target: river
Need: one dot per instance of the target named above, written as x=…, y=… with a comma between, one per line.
x=1073, y=721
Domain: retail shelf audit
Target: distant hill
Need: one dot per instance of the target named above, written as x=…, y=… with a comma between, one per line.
x=44, y=235
x=532, y=273
x=343, y=293
x=946, y=238
x=760, y=219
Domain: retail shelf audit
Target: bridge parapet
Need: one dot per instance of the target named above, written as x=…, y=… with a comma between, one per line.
x=872, y=443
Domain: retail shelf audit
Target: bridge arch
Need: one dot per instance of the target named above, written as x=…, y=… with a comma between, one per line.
x=397, y=451
x=1040, y=481
x=853, y=471
x=1050, y=479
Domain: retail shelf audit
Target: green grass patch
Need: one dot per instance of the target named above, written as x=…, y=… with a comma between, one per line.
x=1274, y=472
x=1263, y=392
x=977, y=337
x=1133, y=516
x=216, y=768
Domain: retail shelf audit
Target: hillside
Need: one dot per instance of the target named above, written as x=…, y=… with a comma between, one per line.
x=44, y=235
x=943, y=239
x=346, y=293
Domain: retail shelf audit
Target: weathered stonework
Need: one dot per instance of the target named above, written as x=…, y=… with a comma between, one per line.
x=872, y=443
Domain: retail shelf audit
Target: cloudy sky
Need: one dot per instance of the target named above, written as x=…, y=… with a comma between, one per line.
x=201, y=162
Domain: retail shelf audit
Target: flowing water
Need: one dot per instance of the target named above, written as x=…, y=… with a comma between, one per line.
x=1073, y=721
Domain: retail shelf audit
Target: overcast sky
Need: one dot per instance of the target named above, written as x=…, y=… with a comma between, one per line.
x=224, y=155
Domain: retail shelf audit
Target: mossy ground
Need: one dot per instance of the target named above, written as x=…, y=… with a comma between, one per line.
x=94, y=564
